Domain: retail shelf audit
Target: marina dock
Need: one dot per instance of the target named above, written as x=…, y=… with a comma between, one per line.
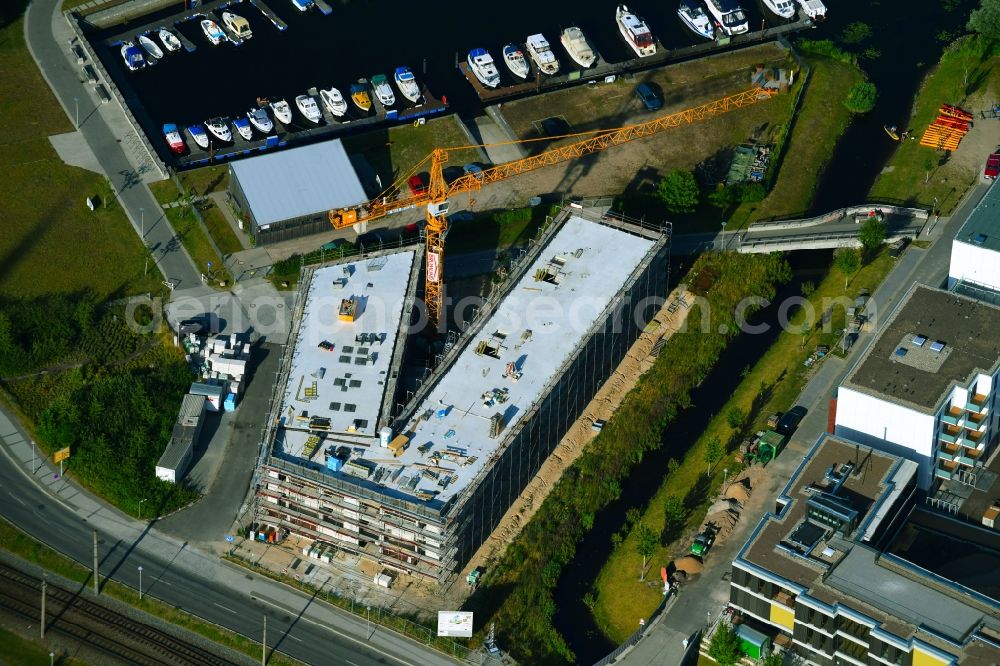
x=323, y=8
x=271, y=16
x=602, y=69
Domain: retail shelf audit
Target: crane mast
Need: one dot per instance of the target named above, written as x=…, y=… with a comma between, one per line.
x=435, y=198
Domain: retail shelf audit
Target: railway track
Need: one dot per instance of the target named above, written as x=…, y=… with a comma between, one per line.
x=100, y=628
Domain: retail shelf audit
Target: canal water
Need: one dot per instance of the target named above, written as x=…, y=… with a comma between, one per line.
x=361, y=39
x=906, y=35
x=573, y=619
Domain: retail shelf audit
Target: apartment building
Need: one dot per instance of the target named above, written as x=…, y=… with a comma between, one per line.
x=925, y=389
x=817, y=574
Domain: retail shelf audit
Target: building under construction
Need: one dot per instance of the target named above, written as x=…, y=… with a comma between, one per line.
x=417, y=489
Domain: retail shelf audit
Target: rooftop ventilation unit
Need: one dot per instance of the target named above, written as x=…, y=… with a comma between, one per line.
x=901, y=351
x=937, y=347
x=979, y=239
x=919, y=340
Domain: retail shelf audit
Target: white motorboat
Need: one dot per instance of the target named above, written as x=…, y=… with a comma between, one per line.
x=132, y=55
x=516, y=62
x=242, y=126
x=783, y=8
x=282, y=111
x=542, y=55
x=151, y=48
x=169, y=39
x=258, y=118
x=307, y=105
x=729, y=16
x=577, y=46
x=174, y=138
x=198, y=135
x=219, y=128
x=302, y=5
x=814, y=9
x=636, y=32
x=481, y=63
x=334, y=101
x=407, y=84
x=239, y=25
x=693, y=15
x=383, y=91
x=213, y=31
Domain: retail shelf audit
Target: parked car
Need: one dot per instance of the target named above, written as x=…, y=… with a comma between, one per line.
x=992, y=169
x=648, y=95
x=703, y=542
x=790, y=420
x=418, y=183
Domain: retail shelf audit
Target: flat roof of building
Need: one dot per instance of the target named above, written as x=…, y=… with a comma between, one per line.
x=980, y=228
x=932, y=340
x=340, y=368
x=301, y=181
x=844, y=570
x=536, y=327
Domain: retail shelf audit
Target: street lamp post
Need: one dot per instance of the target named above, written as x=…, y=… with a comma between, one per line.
x=52, y=658
x=142, y=222
x=725, y=478
x=140, y=583
x=723, y=235
x=368, y=615
x=76, y=100
x=140, y=506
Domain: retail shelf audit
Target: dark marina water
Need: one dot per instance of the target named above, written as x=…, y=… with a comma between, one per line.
x=363, y=38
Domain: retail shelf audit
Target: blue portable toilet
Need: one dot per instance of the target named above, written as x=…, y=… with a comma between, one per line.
x=230, y=404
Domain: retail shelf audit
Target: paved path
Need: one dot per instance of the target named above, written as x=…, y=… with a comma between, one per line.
x=60, y=514
x=110, y=137
x=706, y=596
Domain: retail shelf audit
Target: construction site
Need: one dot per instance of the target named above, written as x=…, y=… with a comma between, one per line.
x=367, y=471
x=418, y=491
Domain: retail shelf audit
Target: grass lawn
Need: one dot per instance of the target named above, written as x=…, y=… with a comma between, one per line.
x=205, y=180
x=618, y=596
x=914, y=173
x=51, y=242
x=22, y=545
x=17, y=650
x=193, y=235
x=817, y=126
x=396, y=151
x=219, y=228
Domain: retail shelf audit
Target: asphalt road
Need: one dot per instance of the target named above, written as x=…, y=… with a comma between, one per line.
x=64, y=518
x=42, y=22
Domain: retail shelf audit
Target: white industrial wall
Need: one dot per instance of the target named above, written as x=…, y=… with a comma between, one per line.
x=974, y=264
x=889, y=427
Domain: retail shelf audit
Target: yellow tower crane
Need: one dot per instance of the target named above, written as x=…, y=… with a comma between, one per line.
x=398, y=198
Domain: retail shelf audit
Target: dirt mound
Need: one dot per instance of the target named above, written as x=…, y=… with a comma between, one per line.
x=688, y=565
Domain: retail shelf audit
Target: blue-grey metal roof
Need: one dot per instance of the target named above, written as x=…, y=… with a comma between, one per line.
x=302, y=181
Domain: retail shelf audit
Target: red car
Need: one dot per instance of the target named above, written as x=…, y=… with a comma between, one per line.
x=992, y=169
x=418, y=183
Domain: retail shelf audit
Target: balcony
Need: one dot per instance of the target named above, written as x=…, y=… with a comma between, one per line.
x=945, y=455
x=977, y=403
x=949, y=419
x=975, y=436
x=784, y=598
x=941, y=473
x=945, y=437
x=978, y=419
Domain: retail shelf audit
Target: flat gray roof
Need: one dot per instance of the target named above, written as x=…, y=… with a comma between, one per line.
x=920, y=377
x=981, y=229
x=298, y=182
x=860, y=576
x=340, y=369
x=536, y=327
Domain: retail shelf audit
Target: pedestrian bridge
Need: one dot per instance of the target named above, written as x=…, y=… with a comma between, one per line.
x=836, y=229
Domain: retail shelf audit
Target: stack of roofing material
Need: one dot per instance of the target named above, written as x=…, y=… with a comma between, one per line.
x=947, y=130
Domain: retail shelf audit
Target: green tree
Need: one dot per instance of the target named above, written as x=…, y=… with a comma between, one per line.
x=713, y=453
x=646, y=542
x=735, y=417
x=847, y=261
x=986, y=19
x=674, y=517
x=807, y=288
x=872, y=235
x=725, y=646
x=679, y=191
x=861, y=97
x=773, y=659
x=856, y=32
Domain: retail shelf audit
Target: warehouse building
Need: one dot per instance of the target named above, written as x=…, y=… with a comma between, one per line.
x=924, y=389
x=419, y=491
x=287, y=194
x=828, y=574
x=176, y=459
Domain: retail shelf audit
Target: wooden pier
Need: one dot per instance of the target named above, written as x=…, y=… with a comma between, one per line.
x=269, y=13
x=323, y=8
